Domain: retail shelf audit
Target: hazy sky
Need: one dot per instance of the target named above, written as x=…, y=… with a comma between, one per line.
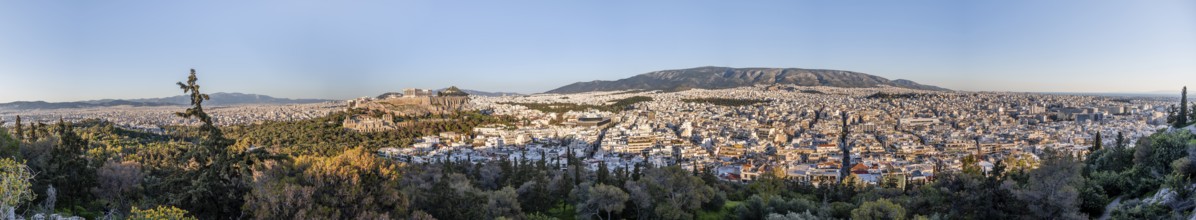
x=80, y=50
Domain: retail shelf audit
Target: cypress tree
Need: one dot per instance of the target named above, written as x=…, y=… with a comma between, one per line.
x=846, y=167
x=1120, y=140
x=1096, y=146
x=508, y=171
x=522, y=168
x=556, y=162
x=564, y=188
x=979, y=150
x=603, y=174
x=32, y=131
x=447, y=162
x=1182, y=120
x=572, y=163
x=543, y=164
x=635, y=174
x=577, y=174
x=20, y=131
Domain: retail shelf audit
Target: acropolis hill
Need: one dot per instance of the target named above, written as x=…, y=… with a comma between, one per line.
x=411, y=102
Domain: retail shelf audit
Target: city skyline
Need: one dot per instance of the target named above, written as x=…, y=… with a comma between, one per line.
x=52, y=51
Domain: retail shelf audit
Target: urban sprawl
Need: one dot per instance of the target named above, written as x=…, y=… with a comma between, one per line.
x=738, y=133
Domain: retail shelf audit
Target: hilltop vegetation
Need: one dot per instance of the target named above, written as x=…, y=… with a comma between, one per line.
x=561, y=108
x=882, y=95
x=325, y=136
x=725, y=101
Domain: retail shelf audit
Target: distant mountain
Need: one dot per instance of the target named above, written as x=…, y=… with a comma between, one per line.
x=481, y=93
x=36, y=105
x=726, y=77
x=221, y=98
x=217, y=99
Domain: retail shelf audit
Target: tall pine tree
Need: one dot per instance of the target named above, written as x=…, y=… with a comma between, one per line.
x=215, y=189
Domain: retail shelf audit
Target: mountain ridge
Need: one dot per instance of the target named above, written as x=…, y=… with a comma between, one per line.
x=713, y=77
x=229, y=98
x=217, y=99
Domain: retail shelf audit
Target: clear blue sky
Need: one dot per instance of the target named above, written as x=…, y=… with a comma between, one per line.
x=81, y=50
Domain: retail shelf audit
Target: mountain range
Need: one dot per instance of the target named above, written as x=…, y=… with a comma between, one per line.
x=482, y=93
x=726, y=77
x=224, y=99
x=42, y=105
x=217, y=99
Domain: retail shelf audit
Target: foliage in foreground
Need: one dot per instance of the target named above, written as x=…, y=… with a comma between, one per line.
x=159, y=213
x=354, y=183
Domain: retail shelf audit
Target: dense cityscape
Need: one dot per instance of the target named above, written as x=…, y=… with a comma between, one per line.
x=819, y=137
x=152, y=119
x=793, y=132
x=597, y=110
x=796, y=131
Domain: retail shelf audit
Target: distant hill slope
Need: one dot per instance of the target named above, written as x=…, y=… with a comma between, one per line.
x=726, y=77
x=482, y=93
x=217, y=99
x=905, y=83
